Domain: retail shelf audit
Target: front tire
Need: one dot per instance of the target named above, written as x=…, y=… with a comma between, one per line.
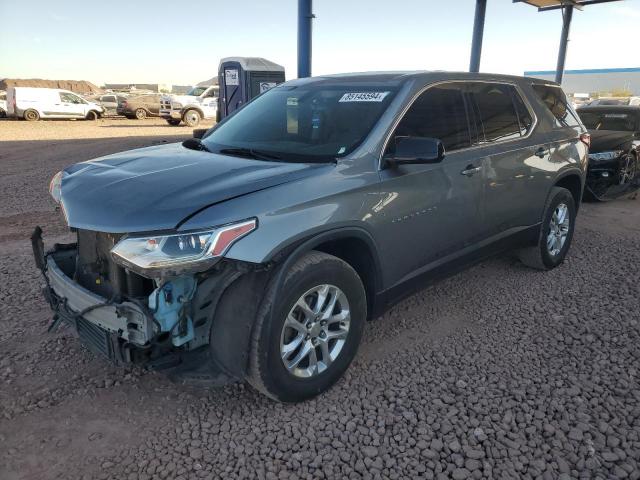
x=141, y=113
x=308, y=331
x=92, y=115
x=556, y=232
x=31, y=115
x=191, y=118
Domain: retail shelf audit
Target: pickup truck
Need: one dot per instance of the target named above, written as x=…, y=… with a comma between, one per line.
x=198, y=103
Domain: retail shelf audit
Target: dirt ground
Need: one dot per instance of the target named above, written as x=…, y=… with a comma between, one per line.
x=498, y=372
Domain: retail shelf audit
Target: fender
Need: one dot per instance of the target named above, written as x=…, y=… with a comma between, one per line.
x=290, y=253
x=572, y=171
x=235, y=313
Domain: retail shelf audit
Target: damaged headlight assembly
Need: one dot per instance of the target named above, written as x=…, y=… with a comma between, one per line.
x=604, y=156
x=55, y=186
x=155, y=255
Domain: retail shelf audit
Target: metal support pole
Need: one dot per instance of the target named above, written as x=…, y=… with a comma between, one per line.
x=305, y=15
x=567, y=13
x=478, y=31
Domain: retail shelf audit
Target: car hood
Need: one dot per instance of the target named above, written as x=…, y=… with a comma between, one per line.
x=157, y=188
x=607, y=140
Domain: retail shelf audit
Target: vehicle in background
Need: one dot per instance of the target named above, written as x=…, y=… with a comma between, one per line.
x=3, y=104
x=110, y=102
x=140, y=106
x=634, y=101
x=259, y=250
x=614, y=165
x=198, y=103
x=33, y=103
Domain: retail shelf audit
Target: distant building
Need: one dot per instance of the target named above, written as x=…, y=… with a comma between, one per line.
x=595, y=80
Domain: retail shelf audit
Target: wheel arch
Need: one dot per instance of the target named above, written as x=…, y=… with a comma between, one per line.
x=353, y=245
x=572, y=181
x=191, y=107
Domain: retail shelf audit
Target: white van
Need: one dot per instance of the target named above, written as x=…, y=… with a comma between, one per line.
x=33, y=103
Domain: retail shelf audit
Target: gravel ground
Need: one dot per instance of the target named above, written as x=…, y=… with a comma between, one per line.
x=499, y=372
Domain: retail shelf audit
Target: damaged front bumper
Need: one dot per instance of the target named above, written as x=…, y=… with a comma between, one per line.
x=168, y=328
x=125, y=330
x=105, y=326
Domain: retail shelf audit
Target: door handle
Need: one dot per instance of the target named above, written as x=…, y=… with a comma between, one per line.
x=542, y=152
x=470, y=170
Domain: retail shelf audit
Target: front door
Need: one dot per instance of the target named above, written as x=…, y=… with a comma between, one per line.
x=429, y=213
x=71, y=105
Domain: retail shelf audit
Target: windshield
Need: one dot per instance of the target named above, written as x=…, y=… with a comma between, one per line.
x=603, y=120
x=196, y=91
x=304, y=124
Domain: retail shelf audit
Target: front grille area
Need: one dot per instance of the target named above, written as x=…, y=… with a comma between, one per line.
x=96, y=271
x=94, y=338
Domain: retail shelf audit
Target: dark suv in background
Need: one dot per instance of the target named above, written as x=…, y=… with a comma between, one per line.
x=140, y=106
x=614, y=156
x=262, y=248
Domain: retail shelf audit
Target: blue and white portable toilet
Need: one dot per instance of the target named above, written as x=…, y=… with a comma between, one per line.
x=243, y=78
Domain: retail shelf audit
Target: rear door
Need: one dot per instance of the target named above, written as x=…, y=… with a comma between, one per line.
x=513, y=177
x=430, y=212
x=152, y=103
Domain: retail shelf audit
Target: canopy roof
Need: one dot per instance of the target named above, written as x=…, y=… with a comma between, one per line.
x=553, y=4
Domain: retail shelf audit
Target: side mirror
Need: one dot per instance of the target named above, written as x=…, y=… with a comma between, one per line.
x=199, y=132
x=416, y=150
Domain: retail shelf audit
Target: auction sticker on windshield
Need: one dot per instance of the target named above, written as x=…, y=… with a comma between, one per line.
x=363, y=97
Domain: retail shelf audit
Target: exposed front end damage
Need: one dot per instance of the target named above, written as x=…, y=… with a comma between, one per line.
x=130, y=319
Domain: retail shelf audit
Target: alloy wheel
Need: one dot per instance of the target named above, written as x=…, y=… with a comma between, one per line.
x=315, y=331
x=629, y=170
x=558, y=229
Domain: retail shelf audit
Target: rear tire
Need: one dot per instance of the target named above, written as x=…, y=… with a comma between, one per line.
x=191, y=118
x=174, y=122
x=343, y=311
x=141, y=113
x=31, y=115
x=556, y=232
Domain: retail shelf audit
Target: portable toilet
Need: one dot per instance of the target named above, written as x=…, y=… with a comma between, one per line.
x=243, y=78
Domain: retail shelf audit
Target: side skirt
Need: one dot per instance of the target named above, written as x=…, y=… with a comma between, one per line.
x=453, y=264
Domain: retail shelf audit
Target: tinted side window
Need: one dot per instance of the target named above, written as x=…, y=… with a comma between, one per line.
x=556, y=101
x=495, y=107
x=438, y=113
x=524, y=115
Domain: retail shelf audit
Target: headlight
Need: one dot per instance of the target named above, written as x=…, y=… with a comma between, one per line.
x=55, y=187
x=603, y=156
x=176, y=105
x=189, y=250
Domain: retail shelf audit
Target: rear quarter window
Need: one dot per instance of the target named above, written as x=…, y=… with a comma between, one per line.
x=500, y=112
x=556, y=102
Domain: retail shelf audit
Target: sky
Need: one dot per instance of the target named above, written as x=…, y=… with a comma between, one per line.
x=181, y=43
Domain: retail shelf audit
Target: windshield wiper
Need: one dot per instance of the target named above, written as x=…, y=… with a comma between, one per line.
x=250, y=153
x=195, y=144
